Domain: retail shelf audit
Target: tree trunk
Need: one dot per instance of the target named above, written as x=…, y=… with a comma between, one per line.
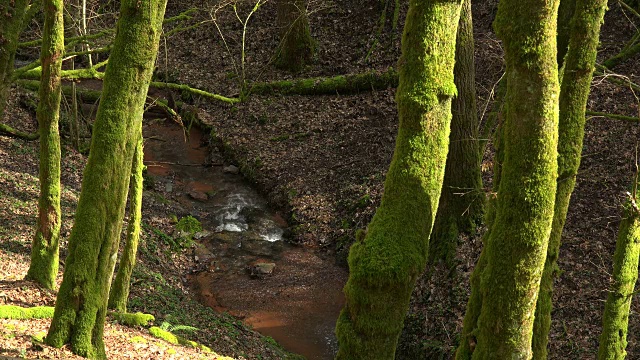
x=120, y=287
x=384, y=266
x=296, y=45
x=82, y=300
x=12, y=15
x=566, y=9
x=576, y=81
x=474, y=305
x=44, y=251
x=615, y=320
x=517, y=244
x=461, y=201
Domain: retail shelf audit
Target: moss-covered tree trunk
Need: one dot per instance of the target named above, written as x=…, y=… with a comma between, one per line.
x=12, y=15
x=566, y=10
x=468, y=339
x=296, y=45
x=385, y=264
x=82, y=300
x=613, y=340
x=462, y=199
x=120, y=286
x=576, y=81
x=517, y=245
x=44, y=250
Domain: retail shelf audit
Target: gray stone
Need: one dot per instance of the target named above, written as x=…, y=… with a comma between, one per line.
x=231, y=169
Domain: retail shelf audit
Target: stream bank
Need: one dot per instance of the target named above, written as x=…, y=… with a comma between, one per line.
x=245, y=266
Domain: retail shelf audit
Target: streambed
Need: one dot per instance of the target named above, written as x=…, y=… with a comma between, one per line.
x=245, y=266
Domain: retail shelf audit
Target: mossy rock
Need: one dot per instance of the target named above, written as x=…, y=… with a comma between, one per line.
x=20, y=313
x=129, y=319
x=178, y=340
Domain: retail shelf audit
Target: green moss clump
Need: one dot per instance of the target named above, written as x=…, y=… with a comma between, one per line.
x=177, y=340
x=138, y=340
x=131, y=319
x=189, y=224
x=20, y=313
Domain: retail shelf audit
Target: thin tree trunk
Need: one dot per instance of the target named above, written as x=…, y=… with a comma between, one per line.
x=296, y=45
x=12, y=15
x=517, y=244
x=576, y=82
x=120, y=286
x=462, y=198
x=613, y=340
x=44, y=251
x=82, y=300
x=385, y=264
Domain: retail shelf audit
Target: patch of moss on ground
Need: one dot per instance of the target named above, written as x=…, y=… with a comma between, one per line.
x=20, y=313
x=133, y=319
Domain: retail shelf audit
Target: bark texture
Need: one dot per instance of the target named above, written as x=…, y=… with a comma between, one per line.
x=576, y=81
x=44, y=250
x=517, y=245
x=120, y=287
x=613, y=340
x=82, y=300
x=462, y=198
x=385, y=264
x=12, y=15
x=296, y=45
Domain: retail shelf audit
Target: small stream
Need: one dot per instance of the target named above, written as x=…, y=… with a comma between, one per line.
x=245, y=266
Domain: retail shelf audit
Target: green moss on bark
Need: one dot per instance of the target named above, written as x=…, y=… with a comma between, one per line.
x=12, y=15
x=120, y=287
x=296, y=45
x=462, y=198
x=44, y=250
x=613, y=340
x=517, y=245
x=384, y=266
x=82, y=300
x=576, y=81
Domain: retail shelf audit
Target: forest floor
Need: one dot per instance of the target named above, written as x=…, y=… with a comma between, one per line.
x=322, y=160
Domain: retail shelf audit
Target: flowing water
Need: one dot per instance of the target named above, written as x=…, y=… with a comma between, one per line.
x=245, y=266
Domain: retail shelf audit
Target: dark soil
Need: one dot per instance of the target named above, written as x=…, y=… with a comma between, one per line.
x=322, y=160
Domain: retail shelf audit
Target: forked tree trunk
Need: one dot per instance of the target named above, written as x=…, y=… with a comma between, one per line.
x=296, y=45
x=462, y=198
x=613, y=340
x=120, y=286
x=44, y=251
x=517, y=245
x=386, y=263
x=12, y=15
x=82, y=300
x=576, y=82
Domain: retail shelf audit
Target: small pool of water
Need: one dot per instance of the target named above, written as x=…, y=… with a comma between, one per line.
x=298, y=301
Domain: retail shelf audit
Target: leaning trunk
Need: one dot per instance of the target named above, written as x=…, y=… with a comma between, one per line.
x=576, y=81
x=120, y=287
x=384, y=266
x=82, y=300
x=517, y=245
x=296, y=44
x=44, y=250
x=613, y=340
x=462, y=197
x=12, y=15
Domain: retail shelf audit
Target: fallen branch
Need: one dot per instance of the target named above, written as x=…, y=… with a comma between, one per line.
x=622, y=56
x=615, y=78
x=181, y=87
x=344, y=84
x=9, y=131
x=614, y=116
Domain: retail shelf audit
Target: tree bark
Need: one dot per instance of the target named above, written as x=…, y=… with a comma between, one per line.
x=613, y=340
x=576, y=82
x=12, y=15
x=296, y=45
x=82, y=300
x=462, y=198
x=386, y=263
x=44, y=251
x=517, y=244
x=120, y=287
